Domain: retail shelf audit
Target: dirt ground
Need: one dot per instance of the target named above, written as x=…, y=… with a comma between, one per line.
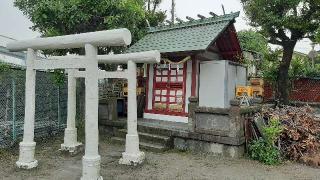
x=170, y=165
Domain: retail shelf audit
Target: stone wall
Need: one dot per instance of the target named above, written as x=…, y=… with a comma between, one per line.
x=219, y=131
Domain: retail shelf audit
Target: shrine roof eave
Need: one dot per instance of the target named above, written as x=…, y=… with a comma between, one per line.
x=192, y=36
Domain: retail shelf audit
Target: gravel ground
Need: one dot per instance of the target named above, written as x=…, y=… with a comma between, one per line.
x=170, y=165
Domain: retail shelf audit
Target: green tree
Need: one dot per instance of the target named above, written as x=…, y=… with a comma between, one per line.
x=154, y=17
x=253, y=41
x=62, y=17
x=284, y=22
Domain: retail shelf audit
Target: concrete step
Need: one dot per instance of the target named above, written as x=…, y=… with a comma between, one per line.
x=148, y=138
x=142, y=145
x=154, y=130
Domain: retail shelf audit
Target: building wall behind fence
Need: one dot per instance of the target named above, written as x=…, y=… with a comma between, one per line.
x=303, y=89
x=51, y=106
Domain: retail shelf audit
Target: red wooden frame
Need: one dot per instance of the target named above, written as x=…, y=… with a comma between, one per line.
x=154, y=111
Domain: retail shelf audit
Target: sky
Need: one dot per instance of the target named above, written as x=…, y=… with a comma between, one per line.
x=16, y=25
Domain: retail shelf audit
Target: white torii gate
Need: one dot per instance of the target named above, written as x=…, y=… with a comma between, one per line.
x=119, y=37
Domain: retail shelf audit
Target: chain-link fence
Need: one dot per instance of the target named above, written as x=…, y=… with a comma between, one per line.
x=51, y=106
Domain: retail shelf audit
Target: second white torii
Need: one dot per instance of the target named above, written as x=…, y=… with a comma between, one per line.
x=132, y=154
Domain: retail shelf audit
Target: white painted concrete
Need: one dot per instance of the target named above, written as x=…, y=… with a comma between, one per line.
x=91, y=159
x=72, y=63
x=231, y=82
x=188, y=84
x=197, y=77
x=212, y=84
x=117, y=37
x=140, y=57
x=150, y=87
x=70, y=134
x=218, y=81
x=132, y=155
x=165, y=117
x=113, y=75
x=27, y=146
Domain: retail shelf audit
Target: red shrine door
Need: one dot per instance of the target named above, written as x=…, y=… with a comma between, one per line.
x=169, y=89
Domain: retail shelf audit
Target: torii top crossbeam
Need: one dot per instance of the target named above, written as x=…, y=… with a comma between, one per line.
x=117, y=37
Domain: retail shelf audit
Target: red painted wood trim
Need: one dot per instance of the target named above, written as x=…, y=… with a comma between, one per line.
x=147, y=87
x=194, y=76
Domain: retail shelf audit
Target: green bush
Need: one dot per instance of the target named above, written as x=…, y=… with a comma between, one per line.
x=272, y=131
x=264, y=152
x=263, y=149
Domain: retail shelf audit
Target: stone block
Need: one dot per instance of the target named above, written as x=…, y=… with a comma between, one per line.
x=215, y=149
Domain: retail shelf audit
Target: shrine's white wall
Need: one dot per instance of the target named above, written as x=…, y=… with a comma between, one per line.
x=150, y=87
x=188, y=84
x=218, y=81
x=236, y=76
x=212, y=82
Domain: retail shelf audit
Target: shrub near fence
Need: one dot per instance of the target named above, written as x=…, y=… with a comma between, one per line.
x=50, y=106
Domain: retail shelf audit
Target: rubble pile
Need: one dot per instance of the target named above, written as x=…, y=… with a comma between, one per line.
x=300, y=137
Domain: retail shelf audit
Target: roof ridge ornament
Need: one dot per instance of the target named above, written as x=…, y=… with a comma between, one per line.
x=179, y=20
x=213, y=14
x=194, y=22
x=201, y=17
x=190, y=18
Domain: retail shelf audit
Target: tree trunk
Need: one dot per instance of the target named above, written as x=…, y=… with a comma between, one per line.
x=283, y=76
x=149, y=5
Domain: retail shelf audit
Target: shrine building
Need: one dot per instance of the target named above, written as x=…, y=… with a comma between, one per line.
x=199, y=58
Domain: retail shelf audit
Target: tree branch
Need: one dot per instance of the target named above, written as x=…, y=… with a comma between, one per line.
x=273, y=40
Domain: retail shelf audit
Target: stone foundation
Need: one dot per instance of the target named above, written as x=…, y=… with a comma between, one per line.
x=216, y=149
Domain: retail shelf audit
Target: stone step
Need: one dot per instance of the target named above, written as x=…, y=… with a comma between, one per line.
x=148, y=138
x=143, y=145
x=154, y=130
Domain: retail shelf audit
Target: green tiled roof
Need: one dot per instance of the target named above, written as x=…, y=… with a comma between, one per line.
x=187, y=36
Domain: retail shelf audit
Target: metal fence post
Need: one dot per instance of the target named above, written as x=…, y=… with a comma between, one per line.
x=14, y=134
x=59, y=114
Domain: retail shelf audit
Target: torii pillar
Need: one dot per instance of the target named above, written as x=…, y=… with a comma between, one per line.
x=71, y=144
x=91, y=159
x=27, y=146
x=132, y=155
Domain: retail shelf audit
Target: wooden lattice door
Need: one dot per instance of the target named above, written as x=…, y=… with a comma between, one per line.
x=169, y=89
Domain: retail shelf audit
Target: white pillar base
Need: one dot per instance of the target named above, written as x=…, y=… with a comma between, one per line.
x=26, y=156
x=132, y=159
x=71, y=144
x=133, y=156
x=91, y=168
